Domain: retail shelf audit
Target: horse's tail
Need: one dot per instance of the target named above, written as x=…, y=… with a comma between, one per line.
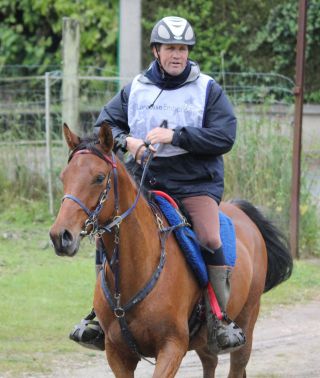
x=280, y=263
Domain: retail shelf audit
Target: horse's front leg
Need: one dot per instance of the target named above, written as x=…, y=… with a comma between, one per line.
x=169, y=358
x=209, y=361
x=121, y=363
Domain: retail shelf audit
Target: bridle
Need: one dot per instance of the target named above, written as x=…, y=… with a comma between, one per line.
x=92, y=220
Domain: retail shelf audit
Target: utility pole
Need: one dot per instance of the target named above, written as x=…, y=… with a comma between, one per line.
x=129, y=40
x=70, y=84
x=296, y=159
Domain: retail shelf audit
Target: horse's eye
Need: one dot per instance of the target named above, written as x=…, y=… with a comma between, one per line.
x=100, y=179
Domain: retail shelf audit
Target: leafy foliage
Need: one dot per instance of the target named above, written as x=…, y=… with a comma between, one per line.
x=278, y=39
x=30, y=32
x=233, y=35
x=246, y=36
x=223, y=28
x=198, y=13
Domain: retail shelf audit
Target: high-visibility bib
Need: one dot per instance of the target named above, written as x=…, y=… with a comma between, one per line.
x=183, y=106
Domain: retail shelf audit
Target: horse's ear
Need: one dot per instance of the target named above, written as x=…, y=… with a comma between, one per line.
x=105, y=137
x=72, y=139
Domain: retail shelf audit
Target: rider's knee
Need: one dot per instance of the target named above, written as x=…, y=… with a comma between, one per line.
x=211, y=241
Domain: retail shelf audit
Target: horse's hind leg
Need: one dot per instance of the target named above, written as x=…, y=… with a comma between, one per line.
x=209, y=362
x=240, y=358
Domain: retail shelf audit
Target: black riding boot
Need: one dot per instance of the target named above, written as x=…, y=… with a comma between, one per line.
x=224, y=335
x=89, y=333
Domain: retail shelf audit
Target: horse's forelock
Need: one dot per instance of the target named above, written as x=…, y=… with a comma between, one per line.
x=86, y=143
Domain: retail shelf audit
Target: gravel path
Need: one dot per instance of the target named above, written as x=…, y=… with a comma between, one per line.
x=286, y=344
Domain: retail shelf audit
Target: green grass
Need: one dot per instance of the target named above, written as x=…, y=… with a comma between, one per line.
x=303, y=285
x=43, y=295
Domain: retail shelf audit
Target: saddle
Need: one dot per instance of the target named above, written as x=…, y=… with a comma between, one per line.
x=187, y=239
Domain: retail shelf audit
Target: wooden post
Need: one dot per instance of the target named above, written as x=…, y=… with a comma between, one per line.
x=70, y=84
x=296, y=160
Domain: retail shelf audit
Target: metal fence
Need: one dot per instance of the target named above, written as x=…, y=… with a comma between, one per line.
x=31, y=115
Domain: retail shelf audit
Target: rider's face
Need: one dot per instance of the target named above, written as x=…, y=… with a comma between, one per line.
x=173, y=58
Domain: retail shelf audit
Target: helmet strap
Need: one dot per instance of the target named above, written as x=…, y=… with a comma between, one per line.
x=159, y=61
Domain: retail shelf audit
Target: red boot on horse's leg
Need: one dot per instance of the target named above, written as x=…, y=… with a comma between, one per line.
x=223, y=335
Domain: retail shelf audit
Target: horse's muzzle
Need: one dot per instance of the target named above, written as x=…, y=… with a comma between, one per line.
x=64, y=242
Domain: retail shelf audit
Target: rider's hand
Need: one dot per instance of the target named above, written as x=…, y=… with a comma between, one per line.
x=160, y=135
x=137, y=147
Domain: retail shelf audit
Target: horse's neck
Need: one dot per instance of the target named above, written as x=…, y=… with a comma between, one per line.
x=139, y=243
x=140, y=227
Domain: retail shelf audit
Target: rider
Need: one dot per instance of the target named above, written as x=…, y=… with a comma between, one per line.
x=188, y=162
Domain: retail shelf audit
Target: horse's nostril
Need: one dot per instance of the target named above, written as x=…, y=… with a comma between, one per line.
x=66, y=238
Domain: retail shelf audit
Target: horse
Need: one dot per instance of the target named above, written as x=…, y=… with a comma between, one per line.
x=102, y=199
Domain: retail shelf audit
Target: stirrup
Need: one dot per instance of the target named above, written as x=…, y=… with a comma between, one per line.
x=89, y=333
x=230, y=336
x=224, y=336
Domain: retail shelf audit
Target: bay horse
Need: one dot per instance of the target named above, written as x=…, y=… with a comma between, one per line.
x=101, y=198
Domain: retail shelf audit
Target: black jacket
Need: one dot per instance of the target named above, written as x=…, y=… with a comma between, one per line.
x=201, y=171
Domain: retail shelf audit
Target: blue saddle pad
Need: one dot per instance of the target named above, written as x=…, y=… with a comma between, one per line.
x=188, y=240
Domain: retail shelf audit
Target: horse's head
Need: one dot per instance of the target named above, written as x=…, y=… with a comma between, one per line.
x=86, y=183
